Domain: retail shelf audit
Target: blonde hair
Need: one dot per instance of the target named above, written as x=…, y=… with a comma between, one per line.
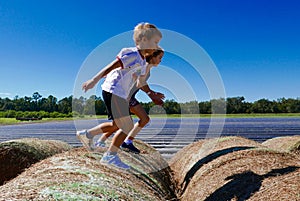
x=145, y=30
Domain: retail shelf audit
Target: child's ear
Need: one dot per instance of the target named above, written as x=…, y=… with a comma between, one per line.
x=144, y=39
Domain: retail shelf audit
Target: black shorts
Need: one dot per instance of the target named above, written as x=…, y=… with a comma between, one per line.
x=133, y=102
x=116, y=106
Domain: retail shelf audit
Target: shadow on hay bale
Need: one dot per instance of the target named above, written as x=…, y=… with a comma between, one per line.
x=17, y=155
x=244, y=185
x=187, y=161
x=79, y=175
x=285, y=144
x=234, y=168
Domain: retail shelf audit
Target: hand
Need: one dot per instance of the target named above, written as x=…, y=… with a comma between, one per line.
x=160, y=95
x=157, y=98
x=158, y=101
x=88, y=85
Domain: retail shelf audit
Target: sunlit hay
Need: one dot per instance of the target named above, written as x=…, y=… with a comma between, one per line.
x=204, y=151
x=243, y=174
x=284, y=187
x=151, y=162
x=79, y=175
x=296, y=148
x=286, y=144
x=236, y=169
x=17, y=155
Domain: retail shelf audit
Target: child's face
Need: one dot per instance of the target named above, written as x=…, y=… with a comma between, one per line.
x=156, y=60
x=150, y=45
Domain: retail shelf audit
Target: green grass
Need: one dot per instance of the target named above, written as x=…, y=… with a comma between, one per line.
x=11, y=121
x=269, y=115
x=8, y=121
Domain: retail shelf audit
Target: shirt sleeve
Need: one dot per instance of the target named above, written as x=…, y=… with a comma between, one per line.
x=144, y=70
x=127, y=58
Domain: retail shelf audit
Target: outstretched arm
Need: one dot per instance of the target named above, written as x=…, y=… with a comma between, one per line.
x=92, y=82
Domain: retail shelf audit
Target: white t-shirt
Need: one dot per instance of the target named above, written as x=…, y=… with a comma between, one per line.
x=121, y=80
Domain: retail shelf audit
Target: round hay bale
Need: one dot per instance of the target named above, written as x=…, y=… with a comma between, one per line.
x=286, y=144
x=247, y=175
x=17, y=155
x=190, y=158
x=79, y=175
x=238, y=169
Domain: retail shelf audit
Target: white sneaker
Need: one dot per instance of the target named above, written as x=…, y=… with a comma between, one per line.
x=100, y=144
x=114, y=160
x=86, y=142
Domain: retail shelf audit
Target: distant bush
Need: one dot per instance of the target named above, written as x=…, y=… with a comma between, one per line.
x=33, y=114
x=44, y=114
x=9, y=114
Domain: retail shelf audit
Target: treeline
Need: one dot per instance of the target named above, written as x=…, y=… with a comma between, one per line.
x=37, y=106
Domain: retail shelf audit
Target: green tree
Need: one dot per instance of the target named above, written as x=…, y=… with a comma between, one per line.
x=218, y=106
x=205, y=107
x=236, y=105
x=89, y=106
x=8, y=104
x=191, y=107
x=100, y=106
x=289, y=105
x=36, y=96
x=65, y=105
x=78, y=105
x=50, y=105
x=262, y=106
x=172, y=107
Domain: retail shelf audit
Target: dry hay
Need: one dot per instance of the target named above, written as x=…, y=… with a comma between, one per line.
x=228, y=168
x=17, y=155
x=286, y=144
x=235, y=170
x=79, y=175
x=207, y=150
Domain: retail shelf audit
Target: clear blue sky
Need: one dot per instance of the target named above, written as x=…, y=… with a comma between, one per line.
x=254, y=44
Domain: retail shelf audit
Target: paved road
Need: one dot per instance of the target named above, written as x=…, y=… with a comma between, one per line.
x=167, y=136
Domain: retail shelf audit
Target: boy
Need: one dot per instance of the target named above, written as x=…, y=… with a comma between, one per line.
x=136, y=108
x=121, y=76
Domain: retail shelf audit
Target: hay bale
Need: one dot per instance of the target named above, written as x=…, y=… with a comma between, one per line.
x=238, y=169
x=17, y=155
x=79, y=175
x=205, y=150
x=285, y=144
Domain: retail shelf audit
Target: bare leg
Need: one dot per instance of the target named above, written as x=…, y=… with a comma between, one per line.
x=106, y=127
x=105, y=136
x=140, y=112
x=101, y=141
x=126, y=124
